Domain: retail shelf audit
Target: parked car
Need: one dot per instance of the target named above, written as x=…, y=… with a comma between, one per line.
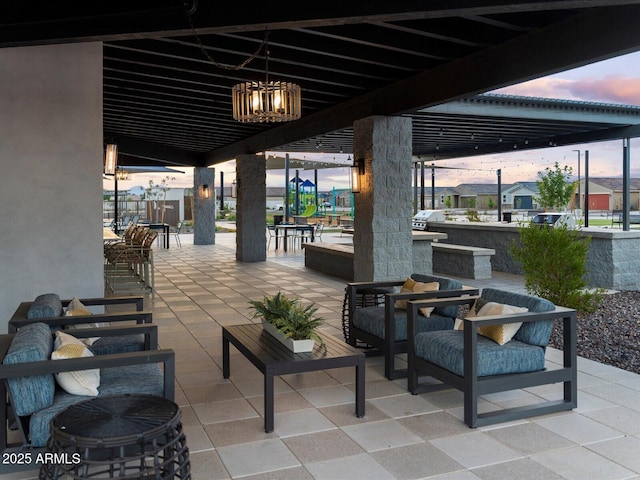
x=555, y=219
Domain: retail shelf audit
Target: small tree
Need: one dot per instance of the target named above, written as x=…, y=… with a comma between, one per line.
x=554, y=262
x=554, y=188
x=157, y=191
x=447, y=201
x=491, y=203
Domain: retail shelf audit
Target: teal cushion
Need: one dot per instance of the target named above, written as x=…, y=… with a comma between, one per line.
x=118, y=344
x=444, y=284
x=45, y=306
x=534, y=333
x=32, y=343
x=371, y=320
x=147, y=378
x=446, y=348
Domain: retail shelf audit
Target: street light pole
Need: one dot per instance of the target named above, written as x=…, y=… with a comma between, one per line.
x=579, y=193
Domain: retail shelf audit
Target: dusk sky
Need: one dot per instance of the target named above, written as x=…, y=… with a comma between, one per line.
x=610, y=81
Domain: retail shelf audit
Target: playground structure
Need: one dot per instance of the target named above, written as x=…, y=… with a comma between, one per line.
x=304, y=201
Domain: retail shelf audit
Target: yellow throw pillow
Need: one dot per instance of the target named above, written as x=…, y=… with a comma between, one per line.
x=81, y=382
x=500, y=333
x=77, y=308
x=411, y=286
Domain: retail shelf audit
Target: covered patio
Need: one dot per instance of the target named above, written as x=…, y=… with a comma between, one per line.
x=317, y=435
x=76, y=79
x=316, y=432
x=153, y=80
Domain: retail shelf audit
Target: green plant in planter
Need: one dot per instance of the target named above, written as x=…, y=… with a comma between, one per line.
x=294, y=320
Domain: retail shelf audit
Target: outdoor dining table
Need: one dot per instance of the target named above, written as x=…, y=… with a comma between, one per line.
x=286, y=227
x=108, y=235
x=162, y=229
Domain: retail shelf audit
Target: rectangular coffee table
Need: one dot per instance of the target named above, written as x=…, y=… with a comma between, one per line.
x=272, y=358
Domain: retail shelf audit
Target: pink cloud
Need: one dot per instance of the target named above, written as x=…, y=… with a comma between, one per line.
x=546, y=87
x=613, y=88
x=610, y=89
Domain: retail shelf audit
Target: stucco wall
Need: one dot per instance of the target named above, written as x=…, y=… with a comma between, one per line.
x=51, y=180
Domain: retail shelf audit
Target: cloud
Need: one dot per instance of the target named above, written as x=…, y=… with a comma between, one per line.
x=610, y=89
x=613, y=88
x=547, y=87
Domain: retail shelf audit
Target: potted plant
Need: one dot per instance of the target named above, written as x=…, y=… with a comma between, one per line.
x=288, y=321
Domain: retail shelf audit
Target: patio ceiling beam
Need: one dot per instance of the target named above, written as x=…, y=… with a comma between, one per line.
x=579, y=40
x=115, y=21
x=150, y=153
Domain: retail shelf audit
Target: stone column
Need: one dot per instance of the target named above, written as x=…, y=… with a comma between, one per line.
x=383, y=239
x=204, y=214
x=251, y=183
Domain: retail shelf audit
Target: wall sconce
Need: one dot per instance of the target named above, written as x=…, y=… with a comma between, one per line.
x=205, y=190
x=110, y=159
x=234, y=189
x=357, y=172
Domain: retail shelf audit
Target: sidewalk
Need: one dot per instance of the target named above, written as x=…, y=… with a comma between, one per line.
x=317, y=436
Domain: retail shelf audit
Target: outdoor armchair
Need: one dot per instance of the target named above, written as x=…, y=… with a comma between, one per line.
x=49, y=309
x=477, y=365
x=27, y=376
x=383, y=326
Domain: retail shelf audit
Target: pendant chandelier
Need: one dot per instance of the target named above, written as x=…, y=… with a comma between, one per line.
x=268, y=101
x=257, y=101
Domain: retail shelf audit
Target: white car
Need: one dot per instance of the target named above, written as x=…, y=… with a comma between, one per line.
x=555, y=219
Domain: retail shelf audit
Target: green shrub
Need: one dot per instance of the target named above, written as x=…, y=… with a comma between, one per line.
x=554, y=263
x=472, y=215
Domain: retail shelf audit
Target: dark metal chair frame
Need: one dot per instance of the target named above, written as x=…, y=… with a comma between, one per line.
x=19, y=318
x=151, y=354
x=387, y=346
x=474, y=386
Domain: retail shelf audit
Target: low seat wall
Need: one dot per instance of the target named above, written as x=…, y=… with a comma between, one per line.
x=462, y=260
x=331, y=258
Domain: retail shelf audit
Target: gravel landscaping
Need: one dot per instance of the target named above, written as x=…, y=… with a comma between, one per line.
x=611, y=335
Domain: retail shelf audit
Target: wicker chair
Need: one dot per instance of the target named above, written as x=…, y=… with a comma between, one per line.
x=130, y=267
x=382, y=326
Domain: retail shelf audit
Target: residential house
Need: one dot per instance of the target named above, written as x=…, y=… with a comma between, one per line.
x=520, y=196
x=606, y=193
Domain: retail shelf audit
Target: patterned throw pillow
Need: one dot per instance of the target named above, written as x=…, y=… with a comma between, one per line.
x=411, y=286
x=77, y=308
x=500, y=333
x=81, y=382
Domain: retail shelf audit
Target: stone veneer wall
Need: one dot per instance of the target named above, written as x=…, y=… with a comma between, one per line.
x=613, y=261
x=382, y=238
x=422, y=257
x=251, y=239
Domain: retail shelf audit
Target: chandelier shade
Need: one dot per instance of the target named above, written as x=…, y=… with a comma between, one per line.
x=262, y=102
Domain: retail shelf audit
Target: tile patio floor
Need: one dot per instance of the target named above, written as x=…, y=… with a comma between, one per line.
x=317, y=436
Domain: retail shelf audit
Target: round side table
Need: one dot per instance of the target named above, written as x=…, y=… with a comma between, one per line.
x=120, y=436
